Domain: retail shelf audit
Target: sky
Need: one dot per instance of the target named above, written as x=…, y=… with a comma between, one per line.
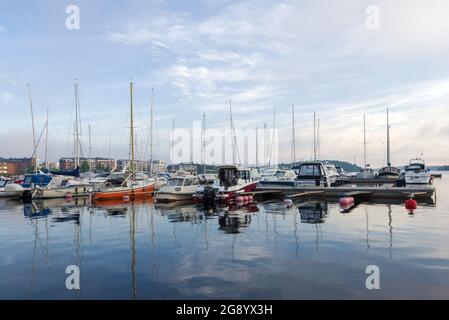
x=342, y=59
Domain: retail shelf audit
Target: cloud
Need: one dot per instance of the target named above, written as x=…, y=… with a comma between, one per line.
x=6, y=97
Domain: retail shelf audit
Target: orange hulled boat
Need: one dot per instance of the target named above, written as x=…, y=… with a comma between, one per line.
x=130, y=185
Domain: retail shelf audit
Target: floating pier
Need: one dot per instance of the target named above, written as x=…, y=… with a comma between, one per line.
x=384, y=191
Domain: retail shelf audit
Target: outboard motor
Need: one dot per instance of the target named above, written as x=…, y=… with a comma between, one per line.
x=209, y=196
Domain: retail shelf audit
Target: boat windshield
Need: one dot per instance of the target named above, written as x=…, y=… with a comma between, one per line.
x=310, y=170
x=102, y=175
x=175, y=182
x=3, y=183
x=280, y=174
x=269, y=173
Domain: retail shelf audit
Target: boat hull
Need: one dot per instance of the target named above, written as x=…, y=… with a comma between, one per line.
x=120, y=193
x=167, y=197
x=62, y=192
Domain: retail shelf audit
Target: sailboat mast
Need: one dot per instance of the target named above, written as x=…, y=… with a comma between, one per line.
x=204, y=143
x=46, y=142
x=172, y=140
x=314, y=135
x=32, y=125
x=77, y=141
x=364, y=141
x=318, y=140
x=265, y=141
x=151, y=130
x=388, y=141
x=293, y=135
x=131, y=126
x=257, y=146
x=231, y=126
x=273, y=135
x=90, y=154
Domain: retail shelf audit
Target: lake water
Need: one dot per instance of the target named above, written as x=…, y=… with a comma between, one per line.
x=266, y=251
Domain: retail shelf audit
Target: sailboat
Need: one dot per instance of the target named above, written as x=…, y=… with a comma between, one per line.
x=366, y=172
x=130, y=185
x=389, y=171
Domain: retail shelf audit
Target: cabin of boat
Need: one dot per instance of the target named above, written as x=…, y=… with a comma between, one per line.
x=178, y=188
x=316, y=173
x=389, y=172
x=43, y=186
x=417, y=173
x=120, y=185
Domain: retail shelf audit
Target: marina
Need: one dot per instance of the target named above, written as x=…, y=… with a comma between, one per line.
x=239, y=153
x=146, y=250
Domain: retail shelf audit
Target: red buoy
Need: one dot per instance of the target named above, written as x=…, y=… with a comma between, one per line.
x=411, y=204
x=239, y=199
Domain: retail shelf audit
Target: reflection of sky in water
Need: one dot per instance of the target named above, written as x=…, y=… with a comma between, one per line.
x=266, y=251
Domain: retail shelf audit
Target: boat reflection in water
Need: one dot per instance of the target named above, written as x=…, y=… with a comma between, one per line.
x=61, y=209
x=314, y=212
x=181, y=211
x=232, y=220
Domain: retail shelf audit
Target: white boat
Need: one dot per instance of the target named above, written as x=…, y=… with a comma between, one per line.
x=98, y=179
x=417, y=173
x=366, y=173
x=278, y=175
x=316, y=173
x=45, y=186
x=231, y=181
x=178, y=188
x=5, y=189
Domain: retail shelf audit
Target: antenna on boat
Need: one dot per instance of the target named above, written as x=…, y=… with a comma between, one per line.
x=32, y=125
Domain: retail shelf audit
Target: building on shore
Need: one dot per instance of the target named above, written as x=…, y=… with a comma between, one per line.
x=158, y=165
x=98, y=164
x=16, y=166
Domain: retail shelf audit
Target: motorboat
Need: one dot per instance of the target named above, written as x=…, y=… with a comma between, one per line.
x=316, y=173
x=366, y=173
x=178, y=188
x=277, y=177
x=232, y=181
x=44, y=186
x=417, y=173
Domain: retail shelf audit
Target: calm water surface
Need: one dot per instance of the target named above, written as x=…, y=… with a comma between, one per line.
x=151, y=251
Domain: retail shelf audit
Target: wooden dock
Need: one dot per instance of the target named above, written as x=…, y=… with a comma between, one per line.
x=384, y=191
